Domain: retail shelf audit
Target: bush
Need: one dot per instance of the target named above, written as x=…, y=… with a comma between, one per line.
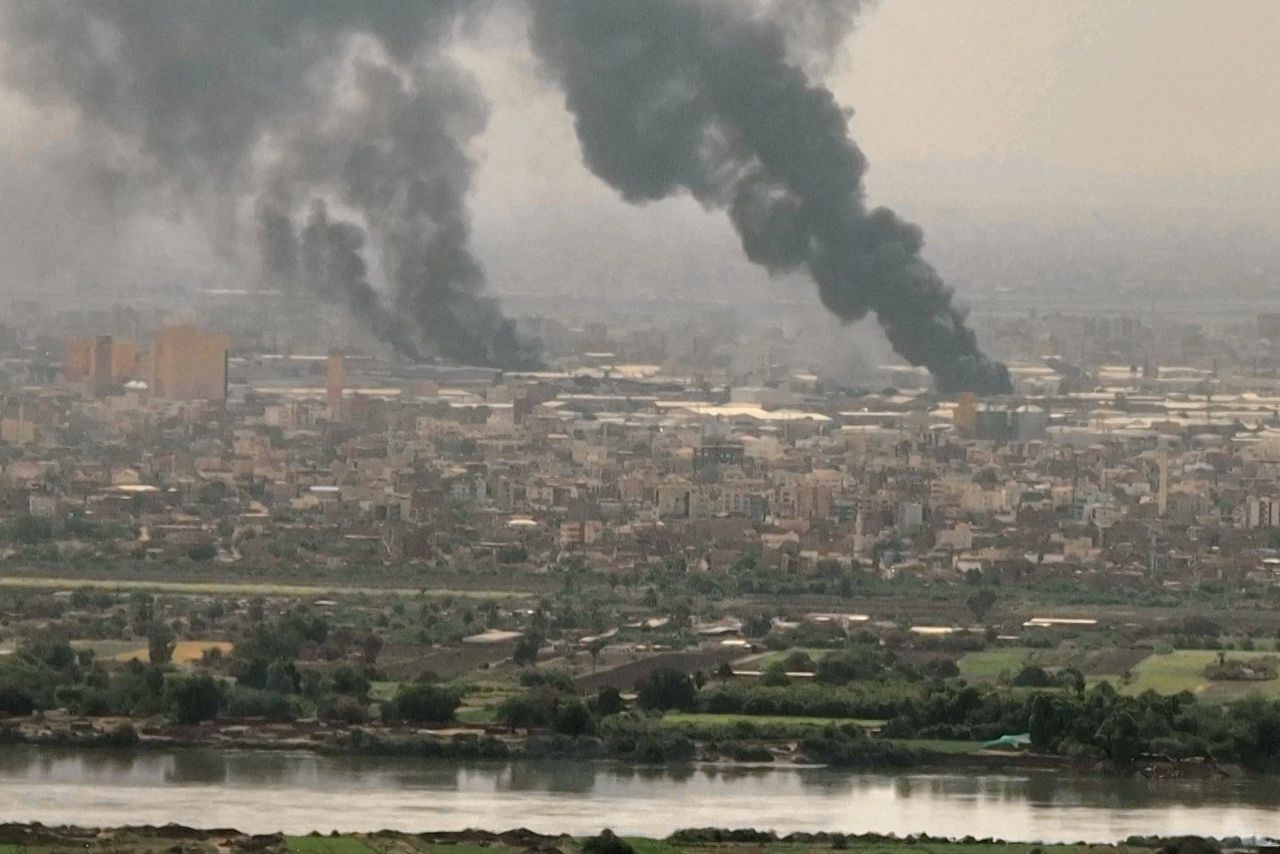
x=843, y=752
x=252, y=703
x=558, y=679
x=348, y=710
x=606, y=843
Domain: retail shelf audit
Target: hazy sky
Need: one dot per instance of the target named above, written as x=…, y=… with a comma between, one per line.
x=1106, y=92
x=976, y=109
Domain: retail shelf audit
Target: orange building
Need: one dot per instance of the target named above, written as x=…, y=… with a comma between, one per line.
x=77, y=359
x=966, y=414
x=187, y=364
x=100, y=362
x=333, y=382
x=124, y=361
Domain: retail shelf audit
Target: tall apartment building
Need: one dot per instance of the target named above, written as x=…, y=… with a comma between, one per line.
x=333, y=383
x=187, y=364
x=100, y=363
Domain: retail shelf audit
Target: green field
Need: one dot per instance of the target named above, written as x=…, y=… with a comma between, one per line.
x=651, y=846
x=988, y=665
x=475, y=715
x=1183, y=670
x=381, y=692
x=699, y=719
x=327, y=845
x=768, y=659
x=158, y=841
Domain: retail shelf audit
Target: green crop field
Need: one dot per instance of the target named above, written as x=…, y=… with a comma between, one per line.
x=700, y=719
x=651, y=846
x=327, y=845
x=988, y=665
x=1183, y=670
x=381, y=692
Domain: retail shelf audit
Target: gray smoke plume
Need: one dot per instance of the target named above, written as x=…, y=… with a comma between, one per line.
x=198, y=105
x=707, y=97
x=328, y=261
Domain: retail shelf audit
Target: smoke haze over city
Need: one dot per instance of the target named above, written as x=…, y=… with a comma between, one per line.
x=131, y=177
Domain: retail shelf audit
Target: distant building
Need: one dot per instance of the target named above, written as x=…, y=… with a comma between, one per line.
x=100, y=361
x=1028, y=423
x=333, y=382
x=124, y=361
x=189, y=365
x=712, y=455
x=77, y=359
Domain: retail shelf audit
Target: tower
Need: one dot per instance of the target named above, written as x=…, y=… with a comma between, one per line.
x=333, y=383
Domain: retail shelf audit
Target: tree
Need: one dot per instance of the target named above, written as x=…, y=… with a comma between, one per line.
x=348, y=680
x=775, y=676
x=1043, y=723
x=851, y=665
x=30, y=530
x=202, y=552
x=594, y=649
x=1121, y=737
x=159, y=644
x=799, y=661
x=609, y=702
x=667, y=689
x=574, y=718
x=422, y=704
x=980, y=603
x=531, y=709
x=193, y=699
x=526, y=652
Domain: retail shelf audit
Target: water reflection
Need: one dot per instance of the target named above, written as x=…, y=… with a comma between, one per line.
x=309, y=791
x=196, y=766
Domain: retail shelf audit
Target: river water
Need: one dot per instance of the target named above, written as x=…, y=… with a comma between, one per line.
x=298, y=792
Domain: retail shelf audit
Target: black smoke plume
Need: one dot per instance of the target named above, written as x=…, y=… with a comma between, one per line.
x=708, y=97
x=198, y=105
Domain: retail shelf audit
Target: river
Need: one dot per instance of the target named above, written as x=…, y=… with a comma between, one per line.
x=298, y=792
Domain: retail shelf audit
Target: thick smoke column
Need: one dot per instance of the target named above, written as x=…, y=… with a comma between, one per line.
x=328, y=260
x=703, y=97
x=198, y=106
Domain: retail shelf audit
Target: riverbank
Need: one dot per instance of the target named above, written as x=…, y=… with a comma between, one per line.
x=38, y=839
x=490, y=743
